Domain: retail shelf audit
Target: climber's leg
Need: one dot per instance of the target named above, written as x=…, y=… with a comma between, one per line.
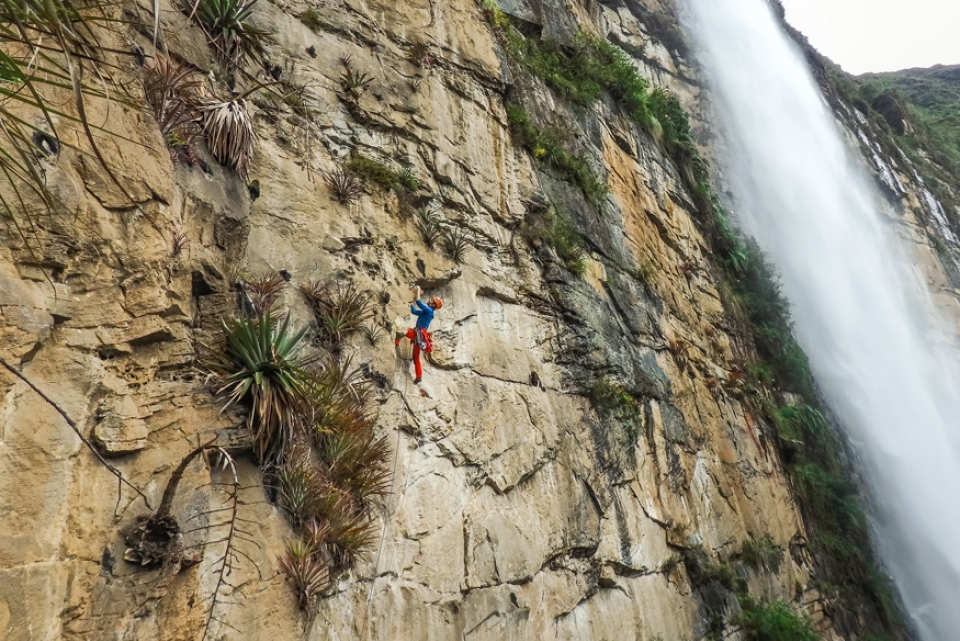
x=416, y=362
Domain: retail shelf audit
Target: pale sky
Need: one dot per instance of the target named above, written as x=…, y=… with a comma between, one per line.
x=880, y=35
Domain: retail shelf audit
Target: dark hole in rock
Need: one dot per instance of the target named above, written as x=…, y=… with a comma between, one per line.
x=199, y=285
x=47, y=144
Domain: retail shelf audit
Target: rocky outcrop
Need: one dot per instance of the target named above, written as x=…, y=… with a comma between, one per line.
x=517, y=509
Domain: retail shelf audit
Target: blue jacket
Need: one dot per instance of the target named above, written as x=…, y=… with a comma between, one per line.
x=424, y=314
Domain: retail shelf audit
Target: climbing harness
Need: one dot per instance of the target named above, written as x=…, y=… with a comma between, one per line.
x=423, y=340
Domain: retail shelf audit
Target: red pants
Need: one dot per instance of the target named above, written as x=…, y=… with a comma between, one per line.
x=412, y=335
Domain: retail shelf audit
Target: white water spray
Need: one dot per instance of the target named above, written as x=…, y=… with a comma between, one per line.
x=863, y=320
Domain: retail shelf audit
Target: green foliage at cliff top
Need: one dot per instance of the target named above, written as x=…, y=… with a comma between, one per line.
x=932, y=101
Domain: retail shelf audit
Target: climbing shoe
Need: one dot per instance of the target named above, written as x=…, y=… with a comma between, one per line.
x=416, y=381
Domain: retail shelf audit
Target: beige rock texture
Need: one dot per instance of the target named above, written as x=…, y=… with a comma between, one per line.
x=517, y=512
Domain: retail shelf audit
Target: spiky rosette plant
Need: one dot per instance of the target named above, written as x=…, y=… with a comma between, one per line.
x=228, y=128
x=339, y=398
x=456, y=242
x=301, y=490
x=227, y=25
x=356, y=462
x=263, y=363
x=340, y=310
x=307, y=570
x=170, y=88
x=346, y=187
x=264, y=290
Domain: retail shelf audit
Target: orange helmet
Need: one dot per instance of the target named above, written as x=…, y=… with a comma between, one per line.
x=437, y=302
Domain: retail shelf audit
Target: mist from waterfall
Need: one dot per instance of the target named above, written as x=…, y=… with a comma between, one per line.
x=864, y=319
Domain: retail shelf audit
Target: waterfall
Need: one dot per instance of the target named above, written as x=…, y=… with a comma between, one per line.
x=864, y=319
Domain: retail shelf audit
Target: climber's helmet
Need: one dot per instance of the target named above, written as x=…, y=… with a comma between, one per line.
x=436, y=302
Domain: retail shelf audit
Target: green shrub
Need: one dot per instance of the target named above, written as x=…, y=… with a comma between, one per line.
x=799, y=423
x=838, y=516
x=612, y=400
x=591, y=66
x=761, y=553
x=774, y=621
x=548, y=146
x=555, y=230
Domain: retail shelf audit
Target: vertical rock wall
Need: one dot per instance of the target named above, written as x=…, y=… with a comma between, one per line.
x=517, y=511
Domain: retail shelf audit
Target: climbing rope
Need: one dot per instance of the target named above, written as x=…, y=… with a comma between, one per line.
x=383, y=531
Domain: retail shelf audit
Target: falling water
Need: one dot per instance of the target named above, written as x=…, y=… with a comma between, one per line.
x=863, y=319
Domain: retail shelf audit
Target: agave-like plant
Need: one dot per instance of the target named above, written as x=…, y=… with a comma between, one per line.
x=228, y=128
x=308, y=571
x=171, y=88
x=341, y=310
x=227, y=27
x=346, y=187
x=263, y=362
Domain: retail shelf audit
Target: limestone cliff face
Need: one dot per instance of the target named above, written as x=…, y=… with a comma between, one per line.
x=517, y=510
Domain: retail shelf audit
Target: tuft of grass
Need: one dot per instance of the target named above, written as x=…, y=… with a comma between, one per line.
x=341, y=310
x=613, y=400
x=295, y=97
x=262, y=363
x=548, y=146
x=407, y=179
x=312, y=20
x=761, y=553
x=774, y=621
x=373, y=333
x=228, y=128
x=378, y=173
x=226, y=25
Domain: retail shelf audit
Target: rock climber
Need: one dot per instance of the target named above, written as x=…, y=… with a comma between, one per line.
x=419, y=336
